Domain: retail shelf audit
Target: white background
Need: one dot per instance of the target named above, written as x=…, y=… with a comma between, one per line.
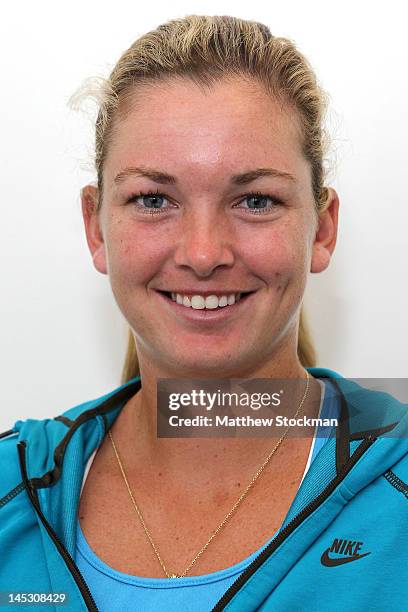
x=62, y=336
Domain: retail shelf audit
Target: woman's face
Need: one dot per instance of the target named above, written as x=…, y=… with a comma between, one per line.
x=203, y=233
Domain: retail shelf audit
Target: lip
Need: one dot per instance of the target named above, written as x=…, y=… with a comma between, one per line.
x=206, y=316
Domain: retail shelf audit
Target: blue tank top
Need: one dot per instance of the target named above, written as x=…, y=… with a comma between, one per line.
x=113, y=590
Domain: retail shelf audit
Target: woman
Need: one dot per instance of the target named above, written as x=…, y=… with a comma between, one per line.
x=209, y=156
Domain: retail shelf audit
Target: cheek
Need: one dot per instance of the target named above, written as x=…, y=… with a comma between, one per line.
x=131, y=259
x=278, y=257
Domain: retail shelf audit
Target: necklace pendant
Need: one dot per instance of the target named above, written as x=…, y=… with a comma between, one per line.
x=173, y=576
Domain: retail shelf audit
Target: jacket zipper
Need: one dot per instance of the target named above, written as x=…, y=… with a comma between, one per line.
x=291, y=526
x=73, y=568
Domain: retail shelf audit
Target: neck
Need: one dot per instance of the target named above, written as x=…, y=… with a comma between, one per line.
x=201, y=459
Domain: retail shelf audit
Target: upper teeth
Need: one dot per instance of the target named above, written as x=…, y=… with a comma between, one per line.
x=199, y=302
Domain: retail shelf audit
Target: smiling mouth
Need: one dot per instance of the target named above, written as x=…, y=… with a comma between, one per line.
x=242, y=297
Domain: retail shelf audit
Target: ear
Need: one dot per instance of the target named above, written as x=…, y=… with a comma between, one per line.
x=94, y=237
x=326, y=233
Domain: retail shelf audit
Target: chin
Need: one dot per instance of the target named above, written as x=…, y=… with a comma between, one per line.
x=205, y=364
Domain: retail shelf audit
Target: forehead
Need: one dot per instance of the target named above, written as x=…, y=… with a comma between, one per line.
x=233, y=123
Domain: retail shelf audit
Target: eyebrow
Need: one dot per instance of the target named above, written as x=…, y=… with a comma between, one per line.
x=167, y=179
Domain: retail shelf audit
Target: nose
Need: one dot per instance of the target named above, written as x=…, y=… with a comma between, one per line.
x=205, y=243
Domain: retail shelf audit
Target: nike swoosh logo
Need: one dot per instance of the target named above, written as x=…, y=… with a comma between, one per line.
x=329, y=562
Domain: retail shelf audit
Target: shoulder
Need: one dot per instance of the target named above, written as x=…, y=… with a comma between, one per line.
x=369, y=407
x=42, y=436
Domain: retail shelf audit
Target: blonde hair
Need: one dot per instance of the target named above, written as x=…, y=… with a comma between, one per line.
x=206, y=49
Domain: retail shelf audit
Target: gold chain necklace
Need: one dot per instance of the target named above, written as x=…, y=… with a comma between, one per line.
x=235, y=506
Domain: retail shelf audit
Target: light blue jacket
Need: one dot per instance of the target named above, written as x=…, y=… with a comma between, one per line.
x=342, y=546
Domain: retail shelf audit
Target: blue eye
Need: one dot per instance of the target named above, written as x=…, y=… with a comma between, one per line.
x=152, y=201
x=260, y=202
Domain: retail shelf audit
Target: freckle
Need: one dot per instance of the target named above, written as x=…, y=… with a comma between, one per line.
x=215, y=456
x=201, y=528
x=238, y=484
x=159, y=474
x=293, y=482
x=177, y=537
x=277, y=274
x=279, y=287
